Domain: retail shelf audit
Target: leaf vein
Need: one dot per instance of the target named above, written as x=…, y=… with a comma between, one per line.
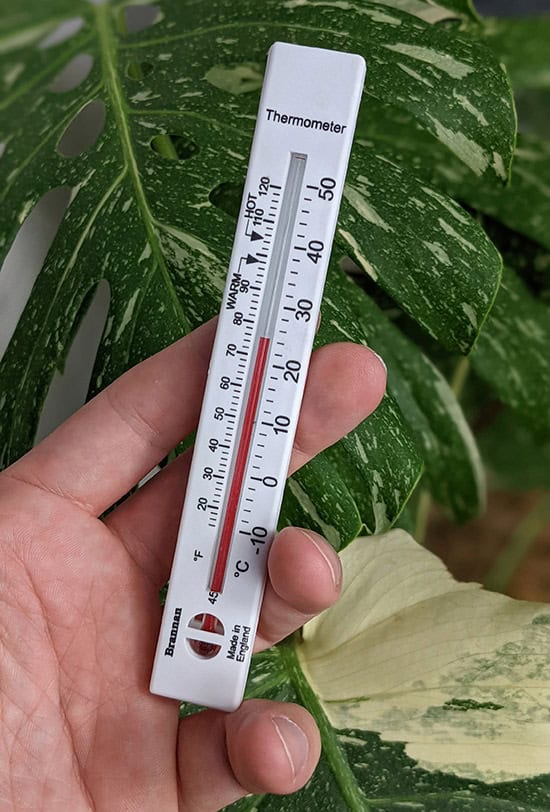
x=114, y=89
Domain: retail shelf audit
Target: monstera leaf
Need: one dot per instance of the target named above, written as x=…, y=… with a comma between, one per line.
x=147, y=211
x=430, y=695
x=511, y=353
x=523, y=46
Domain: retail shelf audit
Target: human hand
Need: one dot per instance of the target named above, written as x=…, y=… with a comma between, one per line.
x=80, y=610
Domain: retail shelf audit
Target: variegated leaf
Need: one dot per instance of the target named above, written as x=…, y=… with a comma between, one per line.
x=155, y=228
x=430, y=695
x=523, y=206
x=431, y=256
x=512, y=352
x=430, y=409
x=432, y=11
x=522, y=44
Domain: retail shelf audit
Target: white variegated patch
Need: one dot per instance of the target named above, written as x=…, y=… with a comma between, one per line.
x=442, y=61
x=459, y=674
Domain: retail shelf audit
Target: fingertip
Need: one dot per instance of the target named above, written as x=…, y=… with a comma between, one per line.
x=369, y=382
x=345, y=384
x=272, y=747
x=304, y=570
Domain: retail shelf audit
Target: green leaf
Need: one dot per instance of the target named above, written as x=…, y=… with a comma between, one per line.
x=429, y=407
x=319, y=498
x=463, y=7
x=24, y=23
x=180, y=102
x=412, y=240
x=524, y=205
x=522, y=44
x=435, y=12
x=430, y=695
x=436, y=75
x=515, y=457
x=533, y=107
x=512, y=352
x=361, y=482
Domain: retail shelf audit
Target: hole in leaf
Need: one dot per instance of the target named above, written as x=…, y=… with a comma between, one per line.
x=236, y=79
x=73, y=74
x=83, y=131
x=69, y=388
x=26, y=257
x=227, y=197
x=63, y=32
x=137, y=18
x=175, y=147
x=139, y=70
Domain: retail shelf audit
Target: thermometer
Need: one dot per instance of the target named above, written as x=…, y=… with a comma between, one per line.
x=298, y=162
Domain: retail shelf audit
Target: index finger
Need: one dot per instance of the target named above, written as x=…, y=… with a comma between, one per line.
x=98, y=454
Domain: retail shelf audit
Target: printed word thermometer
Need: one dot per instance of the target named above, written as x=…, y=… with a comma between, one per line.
x=305, y=126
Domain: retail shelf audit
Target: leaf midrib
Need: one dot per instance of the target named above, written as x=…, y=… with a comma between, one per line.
x=333, y=752
x=108, y=50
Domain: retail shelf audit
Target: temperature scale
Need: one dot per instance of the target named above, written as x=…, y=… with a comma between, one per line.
x=298, y=162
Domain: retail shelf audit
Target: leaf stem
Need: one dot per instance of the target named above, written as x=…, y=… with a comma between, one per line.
x=108, y=47
x=459, y=376
x=346, y=780
x=422, y=515
x=520, y=542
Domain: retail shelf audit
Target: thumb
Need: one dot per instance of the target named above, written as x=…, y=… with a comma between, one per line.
x=262, y=747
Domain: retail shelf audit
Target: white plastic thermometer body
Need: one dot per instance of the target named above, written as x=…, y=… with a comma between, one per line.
x=303, y=136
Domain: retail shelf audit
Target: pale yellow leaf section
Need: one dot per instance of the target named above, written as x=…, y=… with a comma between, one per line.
x=459, y=674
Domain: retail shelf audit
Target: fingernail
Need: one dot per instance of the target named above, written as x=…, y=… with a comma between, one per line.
x=379, y=358
x=332, y=560
x=294, y=741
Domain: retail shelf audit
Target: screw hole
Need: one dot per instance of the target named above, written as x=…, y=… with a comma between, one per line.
x=204, y=650
x=207, y=622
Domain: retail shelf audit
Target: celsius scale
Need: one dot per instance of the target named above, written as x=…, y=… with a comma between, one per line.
x=302, y=141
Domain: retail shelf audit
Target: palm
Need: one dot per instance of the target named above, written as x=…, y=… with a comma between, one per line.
x=80, y=602
x=90, y=617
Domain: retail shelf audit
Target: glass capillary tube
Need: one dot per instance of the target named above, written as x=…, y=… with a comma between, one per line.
x=281, y=245
x=267, y=321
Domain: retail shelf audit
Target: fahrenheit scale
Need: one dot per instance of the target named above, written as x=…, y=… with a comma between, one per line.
x=298, y=162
